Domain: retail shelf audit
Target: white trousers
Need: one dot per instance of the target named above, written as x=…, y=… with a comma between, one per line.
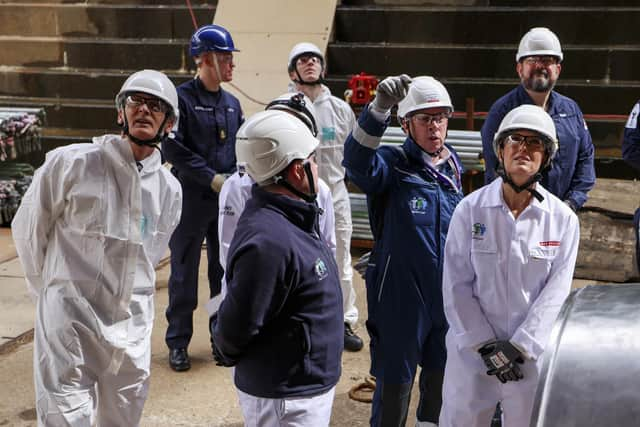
x=344, y=228
x=77, y=382
x=308, y=411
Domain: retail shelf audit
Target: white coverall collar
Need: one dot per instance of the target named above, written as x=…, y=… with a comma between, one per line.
x=494, y=196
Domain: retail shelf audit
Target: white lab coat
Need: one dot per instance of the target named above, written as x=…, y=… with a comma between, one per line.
x=89, y=232
x=504, y=279
x=233, y=196
x=336, y=120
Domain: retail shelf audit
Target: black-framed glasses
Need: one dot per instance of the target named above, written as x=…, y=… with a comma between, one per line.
x=543, y=60
x=533, y=142
x=426, y=119
x=153, y=104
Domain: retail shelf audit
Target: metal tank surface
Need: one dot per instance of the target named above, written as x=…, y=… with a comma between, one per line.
x=591, y=369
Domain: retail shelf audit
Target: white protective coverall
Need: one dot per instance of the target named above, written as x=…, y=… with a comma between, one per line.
x=234, y=195
x=336, y=120
x=504, y=279
x=89, y=232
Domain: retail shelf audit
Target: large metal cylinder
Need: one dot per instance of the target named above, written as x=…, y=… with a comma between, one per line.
x=591, y=369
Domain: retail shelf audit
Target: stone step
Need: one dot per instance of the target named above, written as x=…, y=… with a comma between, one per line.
x=159, y=3
x=113, y=54
x=493, y=3
x=72, y=83
x=594, y=97
x=479, y=25
x=590, y=63
x=101, y=114
x=172, y=21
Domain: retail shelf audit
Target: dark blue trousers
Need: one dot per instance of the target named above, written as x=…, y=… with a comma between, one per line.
x=199, y=221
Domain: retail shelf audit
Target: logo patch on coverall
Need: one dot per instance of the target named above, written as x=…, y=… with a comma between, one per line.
x=321, y=269
x=418, y=205
x=478, y=231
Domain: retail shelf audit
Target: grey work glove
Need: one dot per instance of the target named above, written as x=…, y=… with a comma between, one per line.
x=502, y=359
x=217, y=181
x=361, y=265
x=390, y=91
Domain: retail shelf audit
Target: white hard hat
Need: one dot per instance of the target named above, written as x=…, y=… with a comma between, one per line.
x=298, y=104
x=424, y=92
x=153, y=83
x=301, y=49
x=533, y=118
x=269, y=141
x=539, y=41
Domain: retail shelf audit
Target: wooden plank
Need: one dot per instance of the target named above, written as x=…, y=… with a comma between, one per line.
x=607, y=248
x=615, y=195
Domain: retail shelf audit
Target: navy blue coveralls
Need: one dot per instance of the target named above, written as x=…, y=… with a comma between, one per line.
x=631, y=155
x=204, y=146
x=410, y=207
x=572, y=174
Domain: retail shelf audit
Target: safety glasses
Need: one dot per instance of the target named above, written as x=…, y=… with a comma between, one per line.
x=543, y=60
x=303, y=59
x=154, y=105
x=533, y=142
x=426, y=119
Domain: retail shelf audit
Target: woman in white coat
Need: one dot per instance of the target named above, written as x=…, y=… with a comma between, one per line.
x=509, y=261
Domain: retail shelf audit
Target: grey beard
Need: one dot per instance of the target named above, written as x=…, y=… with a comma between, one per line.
x=538, y=84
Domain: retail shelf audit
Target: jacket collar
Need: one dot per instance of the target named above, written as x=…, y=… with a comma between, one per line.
x=524, y=98
x=300, y=213
x=119, y=149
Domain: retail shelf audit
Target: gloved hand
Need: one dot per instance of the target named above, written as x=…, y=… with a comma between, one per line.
x=361, y=265
x=390, y=91
x=219, y=358
x=502, y=359
x=217, y=181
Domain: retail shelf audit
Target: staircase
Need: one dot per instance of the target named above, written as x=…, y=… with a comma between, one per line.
x=71, y=57
x=472, y=50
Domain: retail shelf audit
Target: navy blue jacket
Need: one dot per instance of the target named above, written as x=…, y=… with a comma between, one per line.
x=409, y=211
x=206, y=139
x=631, y=141
x=281, y=321
x=572, y=174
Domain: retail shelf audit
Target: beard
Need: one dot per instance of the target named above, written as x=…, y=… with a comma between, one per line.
x=539, y=81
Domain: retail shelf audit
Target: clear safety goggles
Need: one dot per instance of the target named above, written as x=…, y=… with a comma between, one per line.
x=303, y=59
x=427, y=119
x=154, y=105
x=533, y=142
x=542, y=60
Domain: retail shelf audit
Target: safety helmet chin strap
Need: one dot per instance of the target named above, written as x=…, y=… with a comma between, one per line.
x=520, y=188
x=435, y=153
x=318, y=81
x=160, y=136
x=309, y=198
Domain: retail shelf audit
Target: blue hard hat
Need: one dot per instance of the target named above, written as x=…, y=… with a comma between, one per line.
x=211, y=38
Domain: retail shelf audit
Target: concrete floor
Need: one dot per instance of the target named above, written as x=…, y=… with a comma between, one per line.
x=203, y=396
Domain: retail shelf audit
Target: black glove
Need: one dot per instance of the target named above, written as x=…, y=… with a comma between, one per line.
x=219, y=358
x=502, y=359
x=361, y=265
